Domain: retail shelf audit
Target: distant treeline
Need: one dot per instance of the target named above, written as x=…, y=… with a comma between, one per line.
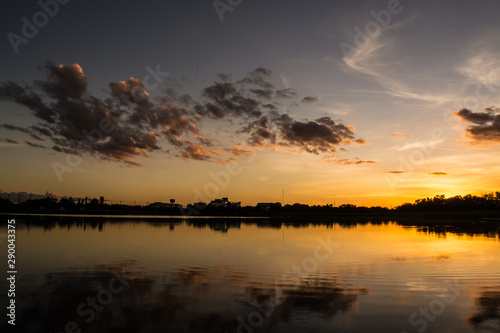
x=489, y=201
x=458, y=202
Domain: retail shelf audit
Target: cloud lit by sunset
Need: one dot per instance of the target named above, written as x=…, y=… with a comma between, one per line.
x=325, y=101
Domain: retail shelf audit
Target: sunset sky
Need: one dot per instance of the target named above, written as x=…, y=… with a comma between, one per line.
x=363, y=102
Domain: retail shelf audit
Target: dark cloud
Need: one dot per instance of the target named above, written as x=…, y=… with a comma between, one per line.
x=361, y=142
x=220, y=92
x=262, y=136
x=184, y=100
x=121, y=127
x=231, y=99
x=132, y=91
x=10, y=140
x=57, y=148
x=396, y=171
x=263, y=93
x=130, y=123
x=259, y=132
x=258, y=77
x=286, y=93
x=34, y=145
x=270, y=107
x=346, y=161
x=310, y=99
x=438, y=173
x=64, y=82
x=321, y=135
x=262, y=71
x=21, y=129
x=174, y=122
x=132, y=163
x=357, y=162
x=204, y=141
x=41, y=130
x=241, y=152
x=196, y=152
x=70, y=151
x=486, y=125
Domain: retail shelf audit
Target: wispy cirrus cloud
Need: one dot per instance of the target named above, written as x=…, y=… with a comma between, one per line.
x=372, y=58
x=481, y=67
x=399, y=135
x=421, y=144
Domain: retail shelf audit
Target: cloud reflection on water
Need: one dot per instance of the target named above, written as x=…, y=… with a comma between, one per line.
x=189, y=299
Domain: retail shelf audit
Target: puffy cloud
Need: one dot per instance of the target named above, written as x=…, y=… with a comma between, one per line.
x=219, y=92
x=486, y=125
x=64, y=82
x=475, y=117
x=263, y=93
x=130, y=123
x=198, y=152
x=321, y=135
x=118, y=128
x=310, y=99
x=258, y=77
x=262, y=136
x=236, y=151
x=132, y=90
x=240, y=98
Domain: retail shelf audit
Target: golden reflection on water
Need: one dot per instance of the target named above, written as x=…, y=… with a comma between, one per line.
x=247, y=244
x=204, y=276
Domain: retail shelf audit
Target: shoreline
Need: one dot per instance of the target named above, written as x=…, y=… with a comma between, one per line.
x=434, y=216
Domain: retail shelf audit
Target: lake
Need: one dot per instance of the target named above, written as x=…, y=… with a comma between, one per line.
x=105, y=274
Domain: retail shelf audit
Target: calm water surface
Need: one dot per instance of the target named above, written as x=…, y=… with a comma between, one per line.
x=243, y=275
